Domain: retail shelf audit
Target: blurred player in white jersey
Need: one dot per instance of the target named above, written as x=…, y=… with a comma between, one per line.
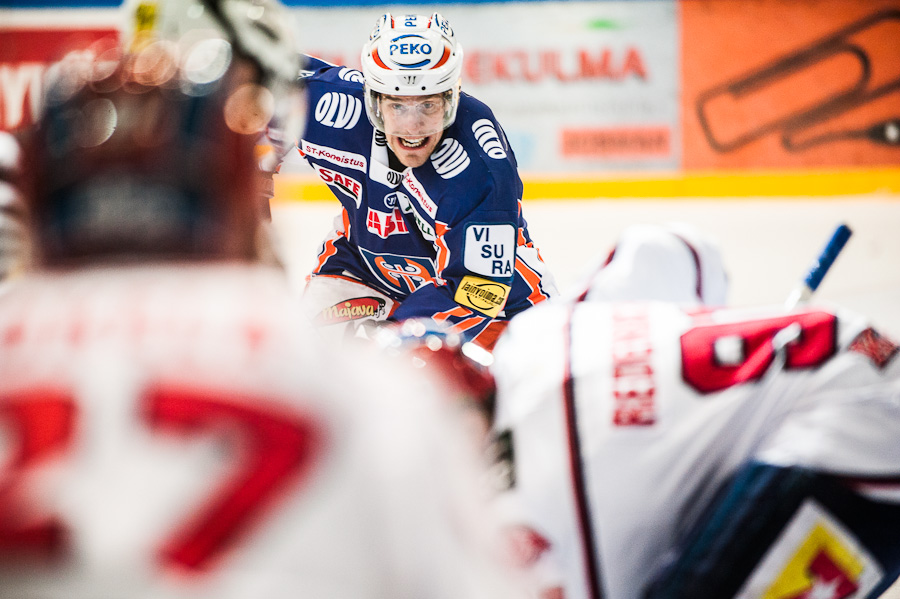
x=168, y=427
x=653, y=451
x=675, y=262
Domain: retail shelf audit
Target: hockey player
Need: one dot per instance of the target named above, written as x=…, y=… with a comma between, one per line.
x=431, y=222
x=675, y=262
x=169, y=428
x=650, y=451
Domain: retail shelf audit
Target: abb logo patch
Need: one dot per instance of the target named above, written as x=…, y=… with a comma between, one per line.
x=337, y=110
x=349, y=186
x=385, y=224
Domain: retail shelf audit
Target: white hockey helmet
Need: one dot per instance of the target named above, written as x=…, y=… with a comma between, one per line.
x=412, y=55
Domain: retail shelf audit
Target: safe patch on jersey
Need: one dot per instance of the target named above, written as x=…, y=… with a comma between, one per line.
x=490, y=250
x=357, y=308
x=348, y=186
x=815, y=556
x=482, y=295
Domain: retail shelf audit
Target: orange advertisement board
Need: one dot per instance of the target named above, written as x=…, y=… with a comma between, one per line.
x=782, y=84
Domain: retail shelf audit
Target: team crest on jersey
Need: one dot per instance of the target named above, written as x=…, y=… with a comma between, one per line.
x=481, y=295
x=450, y=159
x=385, y=224
x=357, y=308
x=418, y=192
x=490, y=250
x=814, y=557
x=348, y=186
x=401, y=273
x=338, y=110
x=875, y=346
x=332, y=155
x=488, y=139
x=352, y=75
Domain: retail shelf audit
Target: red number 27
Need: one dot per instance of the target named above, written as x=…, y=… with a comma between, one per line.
x=278, y=447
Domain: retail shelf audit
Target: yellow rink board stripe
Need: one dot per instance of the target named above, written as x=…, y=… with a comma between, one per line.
x=308, y=188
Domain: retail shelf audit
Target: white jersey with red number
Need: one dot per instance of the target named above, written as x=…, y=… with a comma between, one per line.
x=616, y=424
x=177, y=433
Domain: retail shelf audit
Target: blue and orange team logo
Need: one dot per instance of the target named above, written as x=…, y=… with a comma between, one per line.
x=401, y=273
x=827, y=563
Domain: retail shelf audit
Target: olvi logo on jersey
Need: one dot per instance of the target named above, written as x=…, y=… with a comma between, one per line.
x=337, y=110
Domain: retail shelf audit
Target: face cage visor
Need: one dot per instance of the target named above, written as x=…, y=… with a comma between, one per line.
x=412, y=116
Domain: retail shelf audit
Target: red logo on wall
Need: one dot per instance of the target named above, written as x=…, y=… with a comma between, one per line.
x=25, y=59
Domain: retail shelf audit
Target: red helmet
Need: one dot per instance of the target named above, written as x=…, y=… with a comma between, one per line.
x=151, y=154
x=125, y=163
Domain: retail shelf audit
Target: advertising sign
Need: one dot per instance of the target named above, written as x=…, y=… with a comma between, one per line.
x=577, y=86
x=787, y=85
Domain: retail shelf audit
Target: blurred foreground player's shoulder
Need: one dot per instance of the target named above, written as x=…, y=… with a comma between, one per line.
x=170, y=427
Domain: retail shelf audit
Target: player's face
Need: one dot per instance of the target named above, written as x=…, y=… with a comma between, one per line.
x=413, y=126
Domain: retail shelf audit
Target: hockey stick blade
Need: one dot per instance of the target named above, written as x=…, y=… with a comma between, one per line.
x=820, y=267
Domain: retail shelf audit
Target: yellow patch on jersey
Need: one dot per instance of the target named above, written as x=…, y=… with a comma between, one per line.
x=822, y=559
x=482, y=295
x=814, y=557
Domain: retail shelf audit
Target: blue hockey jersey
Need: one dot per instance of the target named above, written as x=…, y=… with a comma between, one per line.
x=446, y=239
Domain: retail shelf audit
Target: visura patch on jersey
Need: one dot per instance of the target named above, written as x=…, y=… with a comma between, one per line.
x=490, y=250
x=450, y=159
x=332, y=155
x=418, y=193
x=349, y=186
x=481, y=295
x=814, y=556
x=488, y=139
x=385, y=224
x=338, y=110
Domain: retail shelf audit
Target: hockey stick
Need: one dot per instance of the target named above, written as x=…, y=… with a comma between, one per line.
x=819, y=268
